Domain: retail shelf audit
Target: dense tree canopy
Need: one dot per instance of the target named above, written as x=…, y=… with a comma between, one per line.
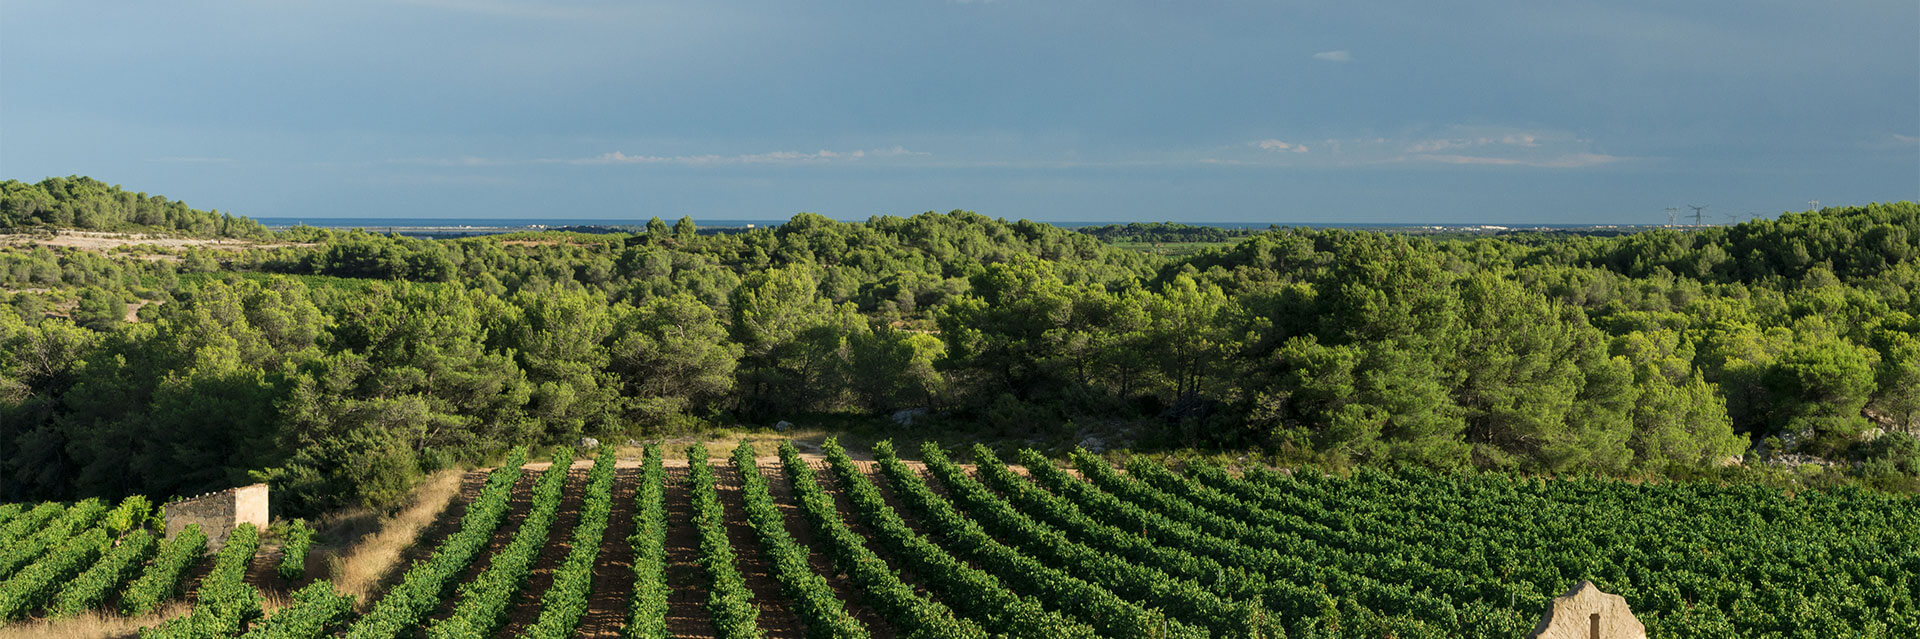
x=340, y=366
x=1156, y=232
x=88, y=204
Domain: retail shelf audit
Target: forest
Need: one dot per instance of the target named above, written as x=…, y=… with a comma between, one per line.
x=341, y=365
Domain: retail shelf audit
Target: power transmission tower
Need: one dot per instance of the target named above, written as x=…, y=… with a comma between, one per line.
x=1672, y=213
x=1699, y=214
x=1813, y=205
x=1732, y=218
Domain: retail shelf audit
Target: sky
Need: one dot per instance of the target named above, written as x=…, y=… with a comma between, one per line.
x=1470, y=111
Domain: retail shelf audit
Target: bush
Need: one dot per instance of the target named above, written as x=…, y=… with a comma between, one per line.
x=366, y=467
x=316, y=609
x=133, y=512
x=1891, y=461
x=299, y=538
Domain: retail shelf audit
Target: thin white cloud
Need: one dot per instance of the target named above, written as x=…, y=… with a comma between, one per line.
x=1458, y=145
x=1904, y=139
x=442, y=180
x=1340, y=55
x=1271, y=144
x=1528, y=140
x=1521, y=139
x=520, y=9
x=773, y=157
x=1569, y=161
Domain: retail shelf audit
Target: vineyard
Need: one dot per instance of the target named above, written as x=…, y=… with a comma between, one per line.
x=677, y=543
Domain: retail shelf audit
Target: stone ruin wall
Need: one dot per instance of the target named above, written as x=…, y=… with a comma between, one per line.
x=1585, y=612
x=218, y=513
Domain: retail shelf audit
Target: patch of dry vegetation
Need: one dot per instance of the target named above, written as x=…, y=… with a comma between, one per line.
x=106, y=241
x=95, y=624
x=369, y=545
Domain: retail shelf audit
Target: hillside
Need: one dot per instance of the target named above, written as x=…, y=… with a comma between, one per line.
x=339, y=366
x=84, y=203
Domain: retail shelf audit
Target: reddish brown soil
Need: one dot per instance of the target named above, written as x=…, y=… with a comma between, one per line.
x=190, y=583
x=517, y=507
x=777, y=616
x=613, y=567
x=830, y=482
x=613, y=573
x=526, y=605
x=687, y=603
x=782, y=490
x=264, y=571
x=879, y=478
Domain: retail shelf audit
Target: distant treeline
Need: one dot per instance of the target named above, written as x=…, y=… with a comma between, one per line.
x=341, y=369
x=88, y=204
x=1167, y=232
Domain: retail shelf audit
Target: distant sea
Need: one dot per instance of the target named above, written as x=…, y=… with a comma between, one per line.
x=453, y=223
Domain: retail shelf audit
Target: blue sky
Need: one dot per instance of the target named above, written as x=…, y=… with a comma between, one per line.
x=1056, y=110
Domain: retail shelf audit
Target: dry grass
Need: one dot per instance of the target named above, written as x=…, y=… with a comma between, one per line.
x=765, y=443
x=106, y=624
x=105, y=241
x=359, y=567
x=96, y=624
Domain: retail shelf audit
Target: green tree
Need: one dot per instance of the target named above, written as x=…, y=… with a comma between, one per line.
x=1679, y=420
x=1898, y=397
x=559, y=339
x=894, y=369
x=1538, y=388
x=100, y=310
x=794, y=341
x=1191, y=332
x=1819, y=386
x=673, y=358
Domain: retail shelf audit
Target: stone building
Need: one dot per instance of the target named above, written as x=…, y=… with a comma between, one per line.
x=218, y=513
x=1587, y=613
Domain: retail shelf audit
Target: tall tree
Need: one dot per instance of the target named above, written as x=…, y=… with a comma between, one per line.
x=673, y=357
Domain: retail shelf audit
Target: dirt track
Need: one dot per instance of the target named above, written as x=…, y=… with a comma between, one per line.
x=777, y=616
x=797, y=526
